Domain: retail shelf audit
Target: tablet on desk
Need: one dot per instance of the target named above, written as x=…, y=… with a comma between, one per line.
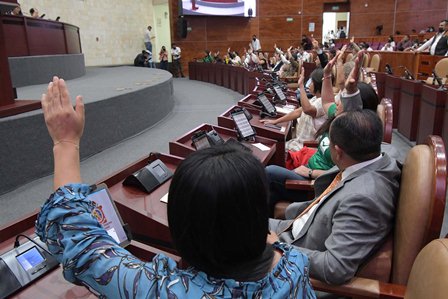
x=107, y=215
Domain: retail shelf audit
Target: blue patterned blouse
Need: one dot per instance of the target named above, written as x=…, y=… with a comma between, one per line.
x=90, y=257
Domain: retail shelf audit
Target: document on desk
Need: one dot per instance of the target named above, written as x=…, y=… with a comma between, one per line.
x=285, y=109
x=261, y=147
x=164, y=198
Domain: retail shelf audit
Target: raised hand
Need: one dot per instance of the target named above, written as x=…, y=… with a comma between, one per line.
x=351, y=84
x=329, y=67
x=64, y=123
x=301, y=77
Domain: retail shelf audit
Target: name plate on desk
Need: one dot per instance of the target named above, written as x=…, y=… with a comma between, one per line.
x=22, y=265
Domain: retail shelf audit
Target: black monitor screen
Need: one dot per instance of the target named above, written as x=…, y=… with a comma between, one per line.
x=279, y=93
x=243, y=124
x=266, y=103
x=201, y=142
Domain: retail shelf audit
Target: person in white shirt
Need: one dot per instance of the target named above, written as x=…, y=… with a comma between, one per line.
x=255, y=42
x=177, y=63
x=148, y=38
x=438, y=44
x=387, y=47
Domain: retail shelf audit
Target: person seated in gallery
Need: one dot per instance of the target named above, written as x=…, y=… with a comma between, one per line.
x=217, y=217
x=34, y=13
x=16, y=11
x=208, y=58
x=405, y=43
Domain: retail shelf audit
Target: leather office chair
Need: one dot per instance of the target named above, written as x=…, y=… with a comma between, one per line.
x=429, y=274
x=441, y=70
x=418, y=221
x=375, y=63
x=366, y=60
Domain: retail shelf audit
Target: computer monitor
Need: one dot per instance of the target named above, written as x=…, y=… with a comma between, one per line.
x=243, y=125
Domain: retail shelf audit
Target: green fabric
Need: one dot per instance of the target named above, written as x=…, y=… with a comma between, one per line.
x=322, y=158
x=332, y=110
x=208, y=59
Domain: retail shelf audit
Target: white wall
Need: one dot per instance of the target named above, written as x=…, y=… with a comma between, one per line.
x=161, y=29
x=111, y=30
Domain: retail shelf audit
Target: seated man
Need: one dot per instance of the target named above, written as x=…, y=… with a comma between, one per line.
x=354, y=209
x=143, y=59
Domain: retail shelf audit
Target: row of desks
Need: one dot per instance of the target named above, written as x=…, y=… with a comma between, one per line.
x=145, y=213
x=419, y=109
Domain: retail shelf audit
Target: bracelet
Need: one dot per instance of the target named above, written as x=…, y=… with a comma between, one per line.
x=67, y=141
x=326, y=77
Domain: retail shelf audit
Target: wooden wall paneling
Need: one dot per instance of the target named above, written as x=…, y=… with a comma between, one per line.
x=406, y=5
x=364, y=24
x=373, y=7
x=271, y=8
x=315, y=7
x=317, y=20
x=221, y=28
x=420, y=20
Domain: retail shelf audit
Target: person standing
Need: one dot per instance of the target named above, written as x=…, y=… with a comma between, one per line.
x=147, y=38
x=177, y=63
x=163, y=58
x=255, y=42
x=438, y=44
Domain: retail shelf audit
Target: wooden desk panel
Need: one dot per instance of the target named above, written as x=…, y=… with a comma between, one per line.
x=145, y=213
x=432, y=111
x=182, y=146
x=393, y=92
x=225, y=120
x=410, y=93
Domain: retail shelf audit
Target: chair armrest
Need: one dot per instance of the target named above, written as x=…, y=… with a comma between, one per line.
x=311, y=143
x=363, y=288
x=300, y=185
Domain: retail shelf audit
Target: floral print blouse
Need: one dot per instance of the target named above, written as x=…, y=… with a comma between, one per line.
x=89, y=256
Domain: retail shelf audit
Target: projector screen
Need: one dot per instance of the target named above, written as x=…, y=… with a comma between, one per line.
x=237, y=8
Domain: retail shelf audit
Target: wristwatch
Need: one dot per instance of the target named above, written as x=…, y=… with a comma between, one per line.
x=310, y=173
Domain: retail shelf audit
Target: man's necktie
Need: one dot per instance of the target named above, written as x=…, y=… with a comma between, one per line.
x=330, y=187
x=334, y=183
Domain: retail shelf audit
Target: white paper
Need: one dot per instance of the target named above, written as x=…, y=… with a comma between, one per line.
x=283, y=129
x=261, y=146
x=284, y=109
x=164, y=198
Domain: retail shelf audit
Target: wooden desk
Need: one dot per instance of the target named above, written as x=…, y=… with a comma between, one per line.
x=410, y=93
x=432, y=111
x=393, y=92
x=53, y=285
x=232, y=77
x=144, y=213
x=225, y=120
x=182, y=146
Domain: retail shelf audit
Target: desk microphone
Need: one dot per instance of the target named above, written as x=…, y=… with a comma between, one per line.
x=407, y=73
x=438, y=79
x=389, y=69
